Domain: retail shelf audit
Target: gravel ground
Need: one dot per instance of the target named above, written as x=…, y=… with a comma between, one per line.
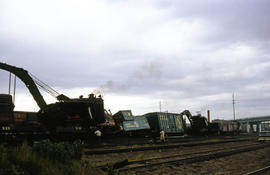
x=232, y=165
x=114, y=157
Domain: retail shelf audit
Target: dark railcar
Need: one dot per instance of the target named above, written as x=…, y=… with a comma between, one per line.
x=6, y=109
x=22, y=117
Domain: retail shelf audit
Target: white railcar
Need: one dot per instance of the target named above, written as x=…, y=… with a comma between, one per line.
x=264, y=134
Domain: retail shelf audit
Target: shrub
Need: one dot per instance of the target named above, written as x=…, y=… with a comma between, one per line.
x=40, y=160
x=63, y=152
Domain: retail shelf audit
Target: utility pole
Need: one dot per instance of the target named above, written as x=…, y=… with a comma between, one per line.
x=9, y=83
x=14, y=91
x=233, y=102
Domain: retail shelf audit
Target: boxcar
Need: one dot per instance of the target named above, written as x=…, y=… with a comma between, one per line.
x=228, y=127
x=123, y=115
x=133, y=125
x=139, y=123
x=171, y=123
x=264, y=133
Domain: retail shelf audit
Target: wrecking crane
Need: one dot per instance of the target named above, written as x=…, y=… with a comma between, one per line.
x=198, y=123
x=80, y=112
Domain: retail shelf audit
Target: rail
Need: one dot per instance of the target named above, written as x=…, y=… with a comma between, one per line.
x=259, y=171
x=199, y=158
x=134, y=149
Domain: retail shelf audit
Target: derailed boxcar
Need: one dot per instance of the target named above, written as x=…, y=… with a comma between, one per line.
x=131, y=125
x=137, y=126
x=123, y=115
x=170, y=123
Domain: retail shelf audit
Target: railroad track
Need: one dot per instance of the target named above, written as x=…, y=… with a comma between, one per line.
x=152, y=164
x=265, y=170
x=127, y=141
x=158, y=147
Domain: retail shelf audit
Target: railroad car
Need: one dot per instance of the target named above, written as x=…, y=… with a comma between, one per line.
x=264, y=134
x=6, y=109
x=24, y=121
x=123, y=115
x=228, y=127
x=171, y=123
x=131, y=125
x=22, y=117
x=6, y=112
x=137, y=126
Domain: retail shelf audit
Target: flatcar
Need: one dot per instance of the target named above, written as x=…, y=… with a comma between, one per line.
x=264, y=133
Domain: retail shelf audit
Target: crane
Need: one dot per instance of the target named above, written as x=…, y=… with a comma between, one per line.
x=199, y=124
x=84, y=112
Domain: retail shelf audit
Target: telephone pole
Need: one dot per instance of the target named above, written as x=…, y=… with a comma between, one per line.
x=9, y=83
x=14, y=91
x=233, y=102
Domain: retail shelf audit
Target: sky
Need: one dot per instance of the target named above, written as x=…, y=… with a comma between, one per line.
x=141, y=55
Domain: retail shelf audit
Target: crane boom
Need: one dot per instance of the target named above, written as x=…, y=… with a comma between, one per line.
x=28, y=81
x=189, y=116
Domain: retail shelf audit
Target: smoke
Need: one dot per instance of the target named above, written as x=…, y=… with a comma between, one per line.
x=147, y=75
x=148, y=71
x=105, y=88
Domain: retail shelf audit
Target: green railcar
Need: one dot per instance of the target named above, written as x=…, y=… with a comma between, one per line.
x=139, y=123
x=123, y=115
x=171, y=123
x=131, y=124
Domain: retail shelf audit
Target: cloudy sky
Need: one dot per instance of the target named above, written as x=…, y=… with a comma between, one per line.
x=184, y=54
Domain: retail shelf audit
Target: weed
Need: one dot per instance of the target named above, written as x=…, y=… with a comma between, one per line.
x=40, y=161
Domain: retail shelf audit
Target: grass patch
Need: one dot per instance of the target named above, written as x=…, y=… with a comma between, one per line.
x=56, y=159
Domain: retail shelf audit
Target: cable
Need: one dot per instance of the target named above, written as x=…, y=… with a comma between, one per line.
x=44, y=86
